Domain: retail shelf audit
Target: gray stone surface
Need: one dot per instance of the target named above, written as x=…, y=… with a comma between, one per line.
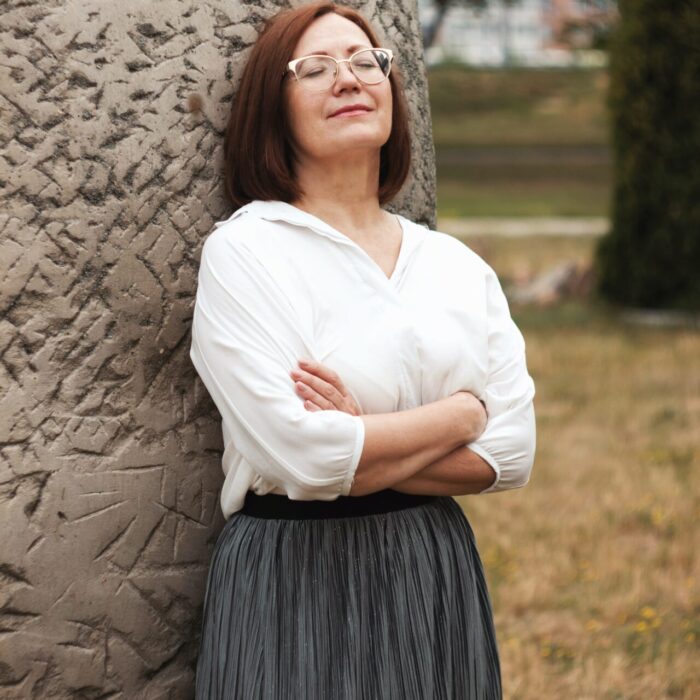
x=110, y=446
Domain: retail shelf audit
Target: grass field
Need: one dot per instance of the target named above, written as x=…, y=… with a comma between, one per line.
x=594, y=566
x=521, y=142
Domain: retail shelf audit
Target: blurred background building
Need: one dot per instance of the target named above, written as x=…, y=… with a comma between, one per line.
x=516, y=32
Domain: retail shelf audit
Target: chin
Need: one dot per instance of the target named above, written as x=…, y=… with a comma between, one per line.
x=359, y=144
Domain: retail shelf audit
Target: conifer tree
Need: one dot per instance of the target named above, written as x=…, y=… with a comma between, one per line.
x=650, y=258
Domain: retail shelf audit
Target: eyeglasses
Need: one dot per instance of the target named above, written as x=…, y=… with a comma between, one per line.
x=319, y=72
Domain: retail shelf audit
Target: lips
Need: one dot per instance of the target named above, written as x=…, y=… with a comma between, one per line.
x=351, y=108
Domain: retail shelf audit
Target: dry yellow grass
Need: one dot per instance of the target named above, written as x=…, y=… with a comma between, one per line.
x=593, y=567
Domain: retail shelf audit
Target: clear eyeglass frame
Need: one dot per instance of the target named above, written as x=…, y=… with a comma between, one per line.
x=292, y=66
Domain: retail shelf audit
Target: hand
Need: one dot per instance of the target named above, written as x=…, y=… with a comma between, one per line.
x=478, y=415
x=322, y=389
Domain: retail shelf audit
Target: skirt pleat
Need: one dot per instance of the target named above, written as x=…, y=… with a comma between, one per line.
x=384, y=606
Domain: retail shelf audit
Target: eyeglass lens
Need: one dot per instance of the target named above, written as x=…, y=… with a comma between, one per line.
x=318, y=72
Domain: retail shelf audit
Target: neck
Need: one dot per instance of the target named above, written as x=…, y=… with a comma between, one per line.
x=342, y=190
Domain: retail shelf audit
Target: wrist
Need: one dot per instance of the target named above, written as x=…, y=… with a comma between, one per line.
x=472, y=416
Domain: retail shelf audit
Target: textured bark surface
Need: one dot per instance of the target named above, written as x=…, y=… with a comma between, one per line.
x=110, y=447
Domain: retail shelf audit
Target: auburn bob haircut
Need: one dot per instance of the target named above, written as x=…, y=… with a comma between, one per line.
x=259, y=160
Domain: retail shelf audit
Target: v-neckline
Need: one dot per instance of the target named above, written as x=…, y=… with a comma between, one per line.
x=399, y=258
x=272, y=210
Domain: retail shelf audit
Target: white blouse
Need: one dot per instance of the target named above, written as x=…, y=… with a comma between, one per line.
x=277, y=284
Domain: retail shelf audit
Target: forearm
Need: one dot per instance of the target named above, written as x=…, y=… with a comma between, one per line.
x=458, y=473
x=399, y=444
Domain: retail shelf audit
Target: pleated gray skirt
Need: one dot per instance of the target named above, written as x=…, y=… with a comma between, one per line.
x=345, y=602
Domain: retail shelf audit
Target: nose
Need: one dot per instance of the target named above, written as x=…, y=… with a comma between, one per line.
x=345, y=77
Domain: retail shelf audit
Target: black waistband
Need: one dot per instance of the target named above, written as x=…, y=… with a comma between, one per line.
x=274, y=505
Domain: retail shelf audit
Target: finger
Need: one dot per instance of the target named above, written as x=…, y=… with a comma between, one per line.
x=311, y=406
x=320, y=386
x=308, y=394
x=325, y=373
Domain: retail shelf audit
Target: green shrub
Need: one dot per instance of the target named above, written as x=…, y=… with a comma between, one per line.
x=651, y=256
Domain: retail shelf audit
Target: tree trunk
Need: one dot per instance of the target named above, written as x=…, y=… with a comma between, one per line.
x=111, y=448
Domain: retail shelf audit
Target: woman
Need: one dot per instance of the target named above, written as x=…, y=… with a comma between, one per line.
x=345, y=568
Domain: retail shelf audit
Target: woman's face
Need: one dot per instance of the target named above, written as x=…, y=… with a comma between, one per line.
x=315, y=132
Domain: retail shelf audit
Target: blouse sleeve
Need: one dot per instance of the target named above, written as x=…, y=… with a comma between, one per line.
x=245, y=341
x=509, y=440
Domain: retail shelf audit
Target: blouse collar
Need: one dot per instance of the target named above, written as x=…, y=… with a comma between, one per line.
x=277, y=210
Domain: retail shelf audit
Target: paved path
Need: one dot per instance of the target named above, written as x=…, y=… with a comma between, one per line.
x=573, y=226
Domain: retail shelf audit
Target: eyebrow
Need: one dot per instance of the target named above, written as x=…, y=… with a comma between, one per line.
x=350, y=49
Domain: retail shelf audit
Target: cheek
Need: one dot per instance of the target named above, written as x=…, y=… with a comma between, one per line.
x=388, y=111
x=305, y=117
x=384, y=98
